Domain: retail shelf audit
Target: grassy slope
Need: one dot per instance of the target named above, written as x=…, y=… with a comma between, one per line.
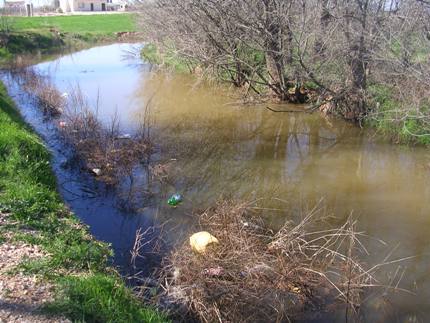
x=94, y=292
x=396, y=120
x=51, y=34
x=94, y=24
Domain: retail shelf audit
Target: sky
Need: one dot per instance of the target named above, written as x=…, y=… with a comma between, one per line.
x=36, y=3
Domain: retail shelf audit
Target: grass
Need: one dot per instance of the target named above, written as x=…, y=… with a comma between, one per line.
x=98, y=298
x=93, y=24
x=28, y=193
x=24, y=42
x=21, y=35
x=168, y=58
x=397, y=120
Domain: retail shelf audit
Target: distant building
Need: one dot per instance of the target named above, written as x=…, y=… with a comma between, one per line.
x=91, y=5
x=18, y=7
x=116, y=5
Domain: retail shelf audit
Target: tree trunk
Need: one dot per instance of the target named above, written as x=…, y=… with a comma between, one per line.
x=358, y=62
x=324, y=22
x=274, y=51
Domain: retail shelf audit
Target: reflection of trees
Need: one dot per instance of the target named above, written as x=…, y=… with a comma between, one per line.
x=242, y=152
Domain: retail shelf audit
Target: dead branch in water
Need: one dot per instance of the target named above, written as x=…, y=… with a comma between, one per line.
x=148, y=241
x=273, y=110
x=41, y=87
x=104, y=150
x=109, y=154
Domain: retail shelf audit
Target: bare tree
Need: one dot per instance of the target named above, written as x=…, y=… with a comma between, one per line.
x=278, y=47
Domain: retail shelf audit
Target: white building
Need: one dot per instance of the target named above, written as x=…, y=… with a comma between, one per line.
x=116, y=5
x=82, y=5
x=91, y=5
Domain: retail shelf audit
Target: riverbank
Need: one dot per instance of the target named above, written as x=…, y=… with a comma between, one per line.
x=50, y=264
x=49, y=35
x=386, y=112
x=372, y=76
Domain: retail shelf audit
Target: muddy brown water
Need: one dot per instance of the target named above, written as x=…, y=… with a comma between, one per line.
x=213, y=148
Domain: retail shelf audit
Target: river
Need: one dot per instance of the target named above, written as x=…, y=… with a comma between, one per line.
x=215, y=148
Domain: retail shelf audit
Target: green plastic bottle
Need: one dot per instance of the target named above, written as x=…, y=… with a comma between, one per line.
x=175, y=200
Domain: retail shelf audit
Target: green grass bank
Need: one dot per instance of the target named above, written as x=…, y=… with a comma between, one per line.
x=87, y=288
x=92, y=24
x=21, y=35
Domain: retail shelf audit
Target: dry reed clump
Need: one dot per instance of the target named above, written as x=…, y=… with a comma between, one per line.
x=49, y=98
x=108, y=154
x=257, y=275
x=101, y=148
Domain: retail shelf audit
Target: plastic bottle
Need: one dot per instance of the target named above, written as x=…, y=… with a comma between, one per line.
x=175, y=199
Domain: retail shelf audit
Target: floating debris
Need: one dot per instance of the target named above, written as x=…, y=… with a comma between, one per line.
x=200, y=240
x=97, y=171
x=124, y=136
x=175, y=200
x=214, y=272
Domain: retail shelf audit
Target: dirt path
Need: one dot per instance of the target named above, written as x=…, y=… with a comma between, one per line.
x=21, y=296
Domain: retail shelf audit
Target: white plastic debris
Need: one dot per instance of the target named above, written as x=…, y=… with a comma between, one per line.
x=97, y=171
x=124, y=136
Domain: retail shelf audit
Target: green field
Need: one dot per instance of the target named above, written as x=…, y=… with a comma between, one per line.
x=47, y=35
x=95, y=24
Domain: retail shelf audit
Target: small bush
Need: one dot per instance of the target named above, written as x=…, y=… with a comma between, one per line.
x=402, y=122
x=168, y=58
x=24, y=42
x=150, y=54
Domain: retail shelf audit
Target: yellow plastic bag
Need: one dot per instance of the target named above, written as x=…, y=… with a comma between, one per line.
x=200, y=240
